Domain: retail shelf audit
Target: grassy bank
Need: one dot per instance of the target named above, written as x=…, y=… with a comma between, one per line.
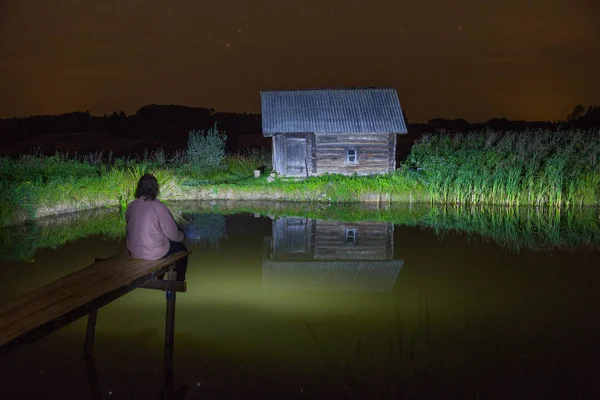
x=542, y=168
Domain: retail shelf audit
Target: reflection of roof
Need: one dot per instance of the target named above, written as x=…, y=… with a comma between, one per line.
x=331, y=111
x=344, y=275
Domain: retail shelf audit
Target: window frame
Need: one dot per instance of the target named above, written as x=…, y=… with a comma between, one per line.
x=354, y=236
x=355, y=150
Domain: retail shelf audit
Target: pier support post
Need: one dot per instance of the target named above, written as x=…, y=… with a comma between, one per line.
x=170, y=322
x=92, y=376
x=90, y=332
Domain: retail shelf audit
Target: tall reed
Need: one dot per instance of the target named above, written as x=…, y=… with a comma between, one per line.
x=534, y=167
x=244, y=163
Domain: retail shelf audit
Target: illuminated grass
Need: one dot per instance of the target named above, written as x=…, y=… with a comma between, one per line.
x=244, y=163
x=542, y=168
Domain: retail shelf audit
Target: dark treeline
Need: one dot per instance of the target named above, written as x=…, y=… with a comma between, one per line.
x=579, y=118
x=167, y=126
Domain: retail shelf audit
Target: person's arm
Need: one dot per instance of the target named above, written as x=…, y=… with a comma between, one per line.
x=168, y=225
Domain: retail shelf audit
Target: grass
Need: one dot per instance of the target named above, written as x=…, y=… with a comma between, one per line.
x=542, y=168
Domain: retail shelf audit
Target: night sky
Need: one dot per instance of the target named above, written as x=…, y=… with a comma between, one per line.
x=475, y=59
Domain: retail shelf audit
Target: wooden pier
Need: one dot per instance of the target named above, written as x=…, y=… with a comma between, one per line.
x=81, y=293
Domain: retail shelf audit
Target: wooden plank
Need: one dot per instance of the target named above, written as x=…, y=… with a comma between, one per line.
x=340, y=162
x=313, y=153
x=58, y=298
x=348, y=168
x=384, y=152
x=392, y=152
x=366, y=163
x=274, y=154
x=339, y=145
x=326, y=139
x=361, y=148
x=90, y=271
x=383, y=136
x=362, y=157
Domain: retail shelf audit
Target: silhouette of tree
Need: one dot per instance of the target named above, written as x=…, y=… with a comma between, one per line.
x=439, y=121
x=578, y=111
x=590, y=119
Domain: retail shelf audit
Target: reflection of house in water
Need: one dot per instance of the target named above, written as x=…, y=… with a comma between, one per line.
x=310, y=253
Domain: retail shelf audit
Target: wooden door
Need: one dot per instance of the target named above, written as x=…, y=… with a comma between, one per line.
x=295, y=156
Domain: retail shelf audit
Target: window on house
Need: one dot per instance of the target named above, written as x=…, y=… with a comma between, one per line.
x=352, y=156
x=351, y=235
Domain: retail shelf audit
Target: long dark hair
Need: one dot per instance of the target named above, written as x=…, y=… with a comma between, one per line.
x=147, y=187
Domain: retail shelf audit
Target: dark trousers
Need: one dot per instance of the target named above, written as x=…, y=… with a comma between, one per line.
x=181, y=264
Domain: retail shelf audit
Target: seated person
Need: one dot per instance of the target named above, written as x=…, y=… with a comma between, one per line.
x=151, y=230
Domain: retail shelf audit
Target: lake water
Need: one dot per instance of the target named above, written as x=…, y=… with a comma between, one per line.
x=300, y=306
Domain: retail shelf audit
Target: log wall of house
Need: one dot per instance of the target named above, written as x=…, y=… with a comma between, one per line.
x=278, y=153
x=376, y=153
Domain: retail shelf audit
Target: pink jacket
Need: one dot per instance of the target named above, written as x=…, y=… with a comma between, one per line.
x=150, y=226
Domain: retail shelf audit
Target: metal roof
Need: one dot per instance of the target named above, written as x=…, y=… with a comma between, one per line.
x=331, y=111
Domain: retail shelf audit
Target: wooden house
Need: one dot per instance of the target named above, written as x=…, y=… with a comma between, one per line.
x=342, y=131
x=319, y=254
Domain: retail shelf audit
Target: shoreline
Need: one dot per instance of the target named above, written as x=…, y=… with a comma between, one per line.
x=229, y=194
x=223, y=193
x=545, y=169
x=515, y=228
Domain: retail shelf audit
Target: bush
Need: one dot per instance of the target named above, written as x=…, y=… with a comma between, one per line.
x=206, y=151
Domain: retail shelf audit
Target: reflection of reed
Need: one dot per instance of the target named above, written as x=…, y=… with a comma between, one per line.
x=517, y=228
x=534, y=228
x=21, y=242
